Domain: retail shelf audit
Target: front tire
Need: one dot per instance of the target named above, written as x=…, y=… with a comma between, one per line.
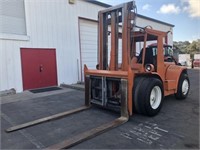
x=183, y=87
x=149, y=96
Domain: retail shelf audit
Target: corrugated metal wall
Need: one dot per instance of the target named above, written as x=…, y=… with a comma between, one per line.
x=49, y=24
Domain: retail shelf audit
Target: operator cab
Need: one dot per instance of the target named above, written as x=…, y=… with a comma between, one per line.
x=167, y=52
x=145, y=54
x=151, y=54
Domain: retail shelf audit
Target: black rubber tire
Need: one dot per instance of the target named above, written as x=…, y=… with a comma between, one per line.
x=137, y=83
x=179, y=95
x=142, y=96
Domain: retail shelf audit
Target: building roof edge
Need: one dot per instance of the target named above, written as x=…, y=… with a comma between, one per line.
x=141, y=16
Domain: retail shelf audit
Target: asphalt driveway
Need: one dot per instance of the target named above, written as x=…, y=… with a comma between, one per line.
x=175, y=127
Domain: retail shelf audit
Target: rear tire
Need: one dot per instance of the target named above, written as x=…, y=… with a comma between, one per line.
x=148, y=96
x=183, y=87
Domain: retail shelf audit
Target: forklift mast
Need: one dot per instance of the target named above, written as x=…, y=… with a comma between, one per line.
x=108, y=85
x=119, y=22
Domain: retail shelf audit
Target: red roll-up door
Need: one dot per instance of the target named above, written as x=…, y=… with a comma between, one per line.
x=38, y=68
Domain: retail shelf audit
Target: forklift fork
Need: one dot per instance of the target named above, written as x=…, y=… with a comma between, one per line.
x=45, y=119
x=87, y=134
x=102, y=128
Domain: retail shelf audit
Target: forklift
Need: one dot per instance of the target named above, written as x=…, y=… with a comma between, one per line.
x=130, y=80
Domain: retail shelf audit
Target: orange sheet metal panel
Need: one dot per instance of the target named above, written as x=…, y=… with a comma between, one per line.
x=106, y=73
x=170, y=85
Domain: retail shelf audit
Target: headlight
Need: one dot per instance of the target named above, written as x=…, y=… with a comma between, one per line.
x=149, y=67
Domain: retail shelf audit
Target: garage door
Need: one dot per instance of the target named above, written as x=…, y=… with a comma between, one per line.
x=89, y=45
x=88, y=41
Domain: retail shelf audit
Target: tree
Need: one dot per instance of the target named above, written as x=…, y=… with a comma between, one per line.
x=181, y=46
x=188, y=48
x=194, y=47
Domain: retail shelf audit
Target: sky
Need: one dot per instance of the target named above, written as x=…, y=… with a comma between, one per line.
x=184, y=14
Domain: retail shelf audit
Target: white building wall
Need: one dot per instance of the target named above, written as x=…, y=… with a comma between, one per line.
x=50, y=24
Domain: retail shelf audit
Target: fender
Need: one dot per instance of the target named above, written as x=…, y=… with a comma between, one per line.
x=173, y=72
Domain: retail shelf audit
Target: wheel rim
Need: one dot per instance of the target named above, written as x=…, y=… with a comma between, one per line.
x=185, y=87
x=155, y=97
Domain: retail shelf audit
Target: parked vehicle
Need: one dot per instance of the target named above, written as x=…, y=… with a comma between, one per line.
x=196, y=63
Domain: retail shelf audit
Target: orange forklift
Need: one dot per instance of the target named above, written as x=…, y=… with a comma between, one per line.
x=132, y=79
x=140, y=81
